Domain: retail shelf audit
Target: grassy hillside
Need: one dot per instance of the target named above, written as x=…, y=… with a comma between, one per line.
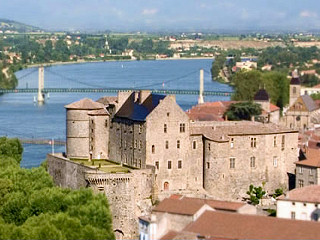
x=10, y=25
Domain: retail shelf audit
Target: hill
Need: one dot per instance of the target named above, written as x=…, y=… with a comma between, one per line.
x=10, y=25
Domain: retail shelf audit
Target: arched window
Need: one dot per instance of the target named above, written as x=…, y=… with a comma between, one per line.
x=166, y=186
x=294, y=90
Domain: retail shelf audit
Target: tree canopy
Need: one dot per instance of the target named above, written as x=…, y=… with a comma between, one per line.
x=247, y=83
x=243, y=111
x=33, y=208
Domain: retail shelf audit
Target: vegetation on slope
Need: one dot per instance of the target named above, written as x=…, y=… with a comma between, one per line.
x=33, y=208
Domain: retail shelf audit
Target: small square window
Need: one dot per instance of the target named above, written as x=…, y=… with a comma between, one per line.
x=178, y=143
x=157, y=165
x=169, y=164
x=165, y=128
x=167, y=144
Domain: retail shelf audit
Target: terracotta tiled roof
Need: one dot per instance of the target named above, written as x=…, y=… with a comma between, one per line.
x=274, y=108
x=313, y=158
x=189, y=206
x=316, y=86
x=209, y=111
x=313, y=144
x=215, y=224
x=309, y=194
x=86, y=104
x=221, y=133
x=169, y=235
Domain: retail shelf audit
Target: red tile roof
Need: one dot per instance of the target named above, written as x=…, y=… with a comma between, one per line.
x=309, y=194
x=178, y=204
x=313, y=158
x=215, y=224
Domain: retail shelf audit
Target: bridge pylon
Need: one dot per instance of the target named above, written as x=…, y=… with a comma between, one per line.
x=41, y=85
x=200, y=98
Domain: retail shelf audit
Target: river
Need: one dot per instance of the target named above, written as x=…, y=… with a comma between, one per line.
x=21, y=117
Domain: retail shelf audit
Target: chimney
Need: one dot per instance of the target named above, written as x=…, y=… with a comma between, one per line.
x=200, y=99
x=143, y=95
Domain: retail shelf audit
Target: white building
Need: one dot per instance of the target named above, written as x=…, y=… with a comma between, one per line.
x=300, y=204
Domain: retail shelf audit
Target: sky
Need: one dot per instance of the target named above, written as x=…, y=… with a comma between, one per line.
x=165, y=15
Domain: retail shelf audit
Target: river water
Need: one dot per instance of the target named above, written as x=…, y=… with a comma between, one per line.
x=21, y=117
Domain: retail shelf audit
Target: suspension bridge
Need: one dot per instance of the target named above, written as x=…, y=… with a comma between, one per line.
x=94, y=88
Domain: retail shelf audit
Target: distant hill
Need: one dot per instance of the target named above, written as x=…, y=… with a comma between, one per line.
x=9, y=25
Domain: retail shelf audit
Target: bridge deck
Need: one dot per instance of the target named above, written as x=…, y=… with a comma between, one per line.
x=115, y=90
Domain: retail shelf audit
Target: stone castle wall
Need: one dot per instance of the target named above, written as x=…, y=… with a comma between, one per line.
x=130, y=195
x=272, y=164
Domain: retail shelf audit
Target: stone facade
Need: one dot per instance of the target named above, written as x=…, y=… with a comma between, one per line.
x=168, y=153
x=129, y=194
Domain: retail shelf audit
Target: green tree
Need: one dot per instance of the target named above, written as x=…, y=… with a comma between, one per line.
x=243, y=111
x=255, y=194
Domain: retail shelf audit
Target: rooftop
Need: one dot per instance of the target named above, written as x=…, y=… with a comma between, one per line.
x=178, y=204
x=261, y=95
x=103, y=165
x=295, y=81
x=85, y=104
x=305, y=194
x=221, y=133
x=215, y=224
x=313, y=158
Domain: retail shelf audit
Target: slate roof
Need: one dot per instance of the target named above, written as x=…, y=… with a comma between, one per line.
x=261, y=95
x=224, y=225
x=85, y=104
x=309, y=194
x=136, y=111
x=295, y=81
x=309, y=103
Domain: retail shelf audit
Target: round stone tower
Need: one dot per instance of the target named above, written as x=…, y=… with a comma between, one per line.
x=78, y=141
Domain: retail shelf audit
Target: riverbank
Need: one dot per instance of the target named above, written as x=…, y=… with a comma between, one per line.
x=113, y=60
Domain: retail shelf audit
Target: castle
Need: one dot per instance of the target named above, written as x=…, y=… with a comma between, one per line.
x=165, y=152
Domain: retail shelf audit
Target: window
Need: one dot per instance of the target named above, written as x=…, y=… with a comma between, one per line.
x=283, y=142
x=168, y=114
x=253, y=142
x=165, y=128
x=275, y=141
x=310, y=171
x=140, y=128
x=179, y=164
x=166, y=186
x=169, y=164
x=232, y=162
x=252, y=162
x=140, y=163
x=300, y=170
x=231, y=142
x=194, y=145
x=311, y=183
x=208, y=165
x=167, y=144
x=157, y=165
x=182, y=127
x=293, y=215
x=209, y=146
x=140, y=144
x=294, y=90
x=300, y=183
x=178, y=143
x=153, y=149
x=275, y=161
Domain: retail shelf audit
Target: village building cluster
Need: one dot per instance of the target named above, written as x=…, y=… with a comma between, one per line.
x=159, y=150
